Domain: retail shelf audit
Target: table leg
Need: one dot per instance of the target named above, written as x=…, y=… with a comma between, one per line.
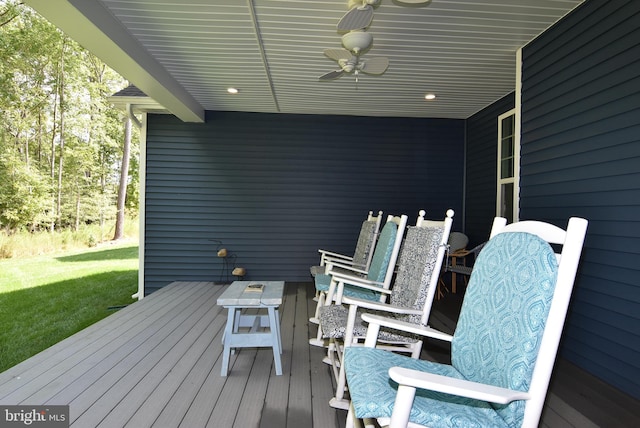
x=278, y=332
x=274, y=328
x=454, y=279
x=228, y=331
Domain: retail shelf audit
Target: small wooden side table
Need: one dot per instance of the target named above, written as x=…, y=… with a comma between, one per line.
x=238, y=297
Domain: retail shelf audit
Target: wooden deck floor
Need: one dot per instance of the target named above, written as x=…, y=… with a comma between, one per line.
x=157, y=363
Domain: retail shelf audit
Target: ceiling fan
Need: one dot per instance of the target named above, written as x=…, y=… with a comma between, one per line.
x=360, y=13
x=350, y=59
x=354, y=64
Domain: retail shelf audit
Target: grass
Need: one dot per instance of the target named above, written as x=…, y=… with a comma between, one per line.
x=25, y=244
x=45, y=299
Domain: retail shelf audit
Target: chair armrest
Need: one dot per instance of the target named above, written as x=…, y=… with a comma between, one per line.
x=359, y=282
x=354, y=280
x=459, y=387
x=331, y=264
x=333, y=261
x=330, y=254
x=379, y=306
x=375, y=321
x=338, y=279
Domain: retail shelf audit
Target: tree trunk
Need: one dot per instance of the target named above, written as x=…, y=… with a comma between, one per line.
x=124, y=177
x=53, y=160
x=61, y=131
x=76, y=225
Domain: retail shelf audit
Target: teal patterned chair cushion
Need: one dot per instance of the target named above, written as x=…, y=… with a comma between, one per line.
x=496, y=339
x=504, y=313
x=382, y=253
x=379, y=262
x=322, y=282
x=373, y=392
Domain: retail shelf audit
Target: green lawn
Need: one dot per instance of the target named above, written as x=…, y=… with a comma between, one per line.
x=45, y=299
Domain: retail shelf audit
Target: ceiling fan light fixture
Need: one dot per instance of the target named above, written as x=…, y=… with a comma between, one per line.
x=233, y=90
x=357, y=41
x=360, y=3
x=430, y=97
x=417, y=2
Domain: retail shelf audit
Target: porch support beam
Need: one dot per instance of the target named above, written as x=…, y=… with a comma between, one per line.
x=94, y=27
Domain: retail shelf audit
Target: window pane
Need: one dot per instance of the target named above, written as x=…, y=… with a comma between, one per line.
x=506, y=206
x=506, y=168
x=507, y=126
x=507, y=146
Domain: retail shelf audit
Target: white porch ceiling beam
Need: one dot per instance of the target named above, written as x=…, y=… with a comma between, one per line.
x=90, y=24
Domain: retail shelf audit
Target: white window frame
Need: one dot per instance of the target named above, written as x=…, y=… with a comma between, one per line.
x=516, y=144
x=513, y=179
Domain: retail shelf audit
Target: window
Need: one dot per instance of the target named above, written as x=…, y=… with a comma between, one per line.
x=508, y=167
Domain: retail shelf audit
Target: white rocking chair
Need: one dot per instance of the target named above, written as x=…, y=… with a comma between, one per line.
x=411, y=297
x=503, y=349
x=380, y=272
x=363, y=253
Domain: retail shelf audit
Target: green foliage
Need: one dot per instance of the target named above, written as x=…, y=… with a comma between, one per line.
x=54, y=112
x=27, y=244
x=23, y=193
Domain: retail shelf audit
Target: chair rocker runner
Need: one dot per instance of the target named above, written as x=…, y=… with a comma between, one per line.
x=380, y=272
x=503, y=349
x=363, y=253
x=410, y=298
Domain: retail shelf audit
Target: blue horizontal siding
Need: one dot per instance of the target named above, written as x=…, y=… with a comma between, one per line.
x=580, y=156
x=275, y=188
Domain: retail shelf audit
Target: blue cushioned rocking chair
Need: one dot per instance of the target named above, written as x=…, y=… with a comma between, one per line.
x=380, y=272
x=410, y=298
x=503, y=349
x=363, y=253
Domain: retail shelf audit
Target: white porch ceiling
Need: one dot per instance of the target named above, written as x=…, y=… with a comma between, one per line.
x=185, y=54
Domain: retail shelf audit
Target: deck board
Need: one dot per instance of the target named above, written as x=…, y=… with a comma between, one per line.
x=277, y=394
x=299, y=413
x=95, y=402
x=156, y=363
x=169, y=361
x=42, y=376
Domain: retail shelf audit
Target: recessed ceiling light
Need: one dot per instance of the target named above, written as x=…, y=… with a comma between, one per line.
x=232, y=90
x=430, y=97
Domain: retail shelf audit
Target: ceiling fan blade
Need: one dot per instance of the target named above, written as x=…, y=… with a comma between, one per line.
x=357, y=18
x=332, y=75
x=338, y=54
x=376, y=65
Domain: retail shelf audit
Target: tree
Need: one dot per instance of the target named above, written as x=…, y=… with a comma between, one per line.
x=22, y=192
x=124, y=176
x=60, y=139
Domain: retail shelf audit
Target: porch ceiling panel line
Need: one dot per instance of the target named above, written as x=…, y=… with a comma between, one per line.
x=94, y=27
x=263, y=54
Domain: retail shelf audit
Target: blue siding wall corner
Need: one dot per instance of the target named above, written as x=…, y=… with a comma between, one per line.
x=580, y=156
